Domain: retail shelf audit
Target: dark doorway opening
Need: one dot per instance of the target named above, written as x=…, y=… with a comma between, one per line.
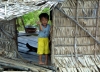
x=27, y=46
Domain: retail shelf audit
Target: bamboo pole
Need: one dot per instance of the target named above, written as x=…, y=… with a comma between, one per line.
x=97, y=22
x=75, y=39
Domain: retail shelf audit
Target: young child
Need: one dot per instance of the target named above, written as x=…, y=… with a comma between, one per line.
x=43, y=41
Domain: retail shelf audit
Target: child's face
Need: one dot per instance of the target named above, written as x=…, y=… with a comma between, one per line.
x=44, y=21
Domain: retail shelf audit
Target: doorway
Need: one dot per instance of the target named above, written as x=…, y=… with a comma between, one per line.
x=27, y=43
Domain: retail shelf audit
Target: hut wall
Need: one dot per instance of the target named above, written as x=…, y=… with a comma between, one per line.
x=8, y=45
x=69, y=40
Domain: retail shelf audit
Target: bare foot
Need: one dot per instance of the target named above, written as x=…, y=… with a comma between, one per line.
x=41, y=63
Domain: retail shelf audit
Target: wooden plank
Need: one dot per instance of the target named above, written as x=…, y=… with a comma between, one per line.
x=20, y=63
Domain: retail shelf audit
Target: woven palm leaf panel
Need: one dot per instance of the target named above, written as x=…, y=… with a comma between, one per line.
x=73, y=49
x=8, y=35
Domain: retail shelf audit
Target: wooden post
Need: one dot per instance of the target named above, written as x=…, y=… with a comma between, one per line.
x=52, y=48
x=16, y=35
x=23, y=23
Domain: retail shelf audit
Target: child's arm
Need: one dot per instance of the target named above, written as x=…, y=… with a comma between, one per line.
x=40, y=26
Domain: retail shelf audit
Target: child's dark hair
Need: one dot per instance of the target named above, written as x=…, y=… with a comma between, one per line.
x=45, y=15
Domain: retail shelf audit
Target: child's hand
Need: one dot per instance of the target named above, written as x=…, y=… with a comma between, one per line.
x=38, y=22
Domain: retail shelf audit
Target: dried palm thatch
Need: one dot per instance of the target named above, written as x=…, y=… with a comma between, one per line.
x=65, y=30
x=8, y=38
x=76, y=36
x=85, y=63
x=15, y=8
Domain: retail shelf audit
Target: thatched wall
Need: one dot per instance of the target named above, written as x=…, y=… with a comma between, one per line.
x=70, y=43
x=8, y=45
x=65, y=30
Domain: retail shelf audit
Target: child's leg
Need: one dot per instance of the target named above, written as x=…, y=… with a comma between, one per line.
x=40, y=50
x=46, y=59
x=40, y=59
x=46, y=50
